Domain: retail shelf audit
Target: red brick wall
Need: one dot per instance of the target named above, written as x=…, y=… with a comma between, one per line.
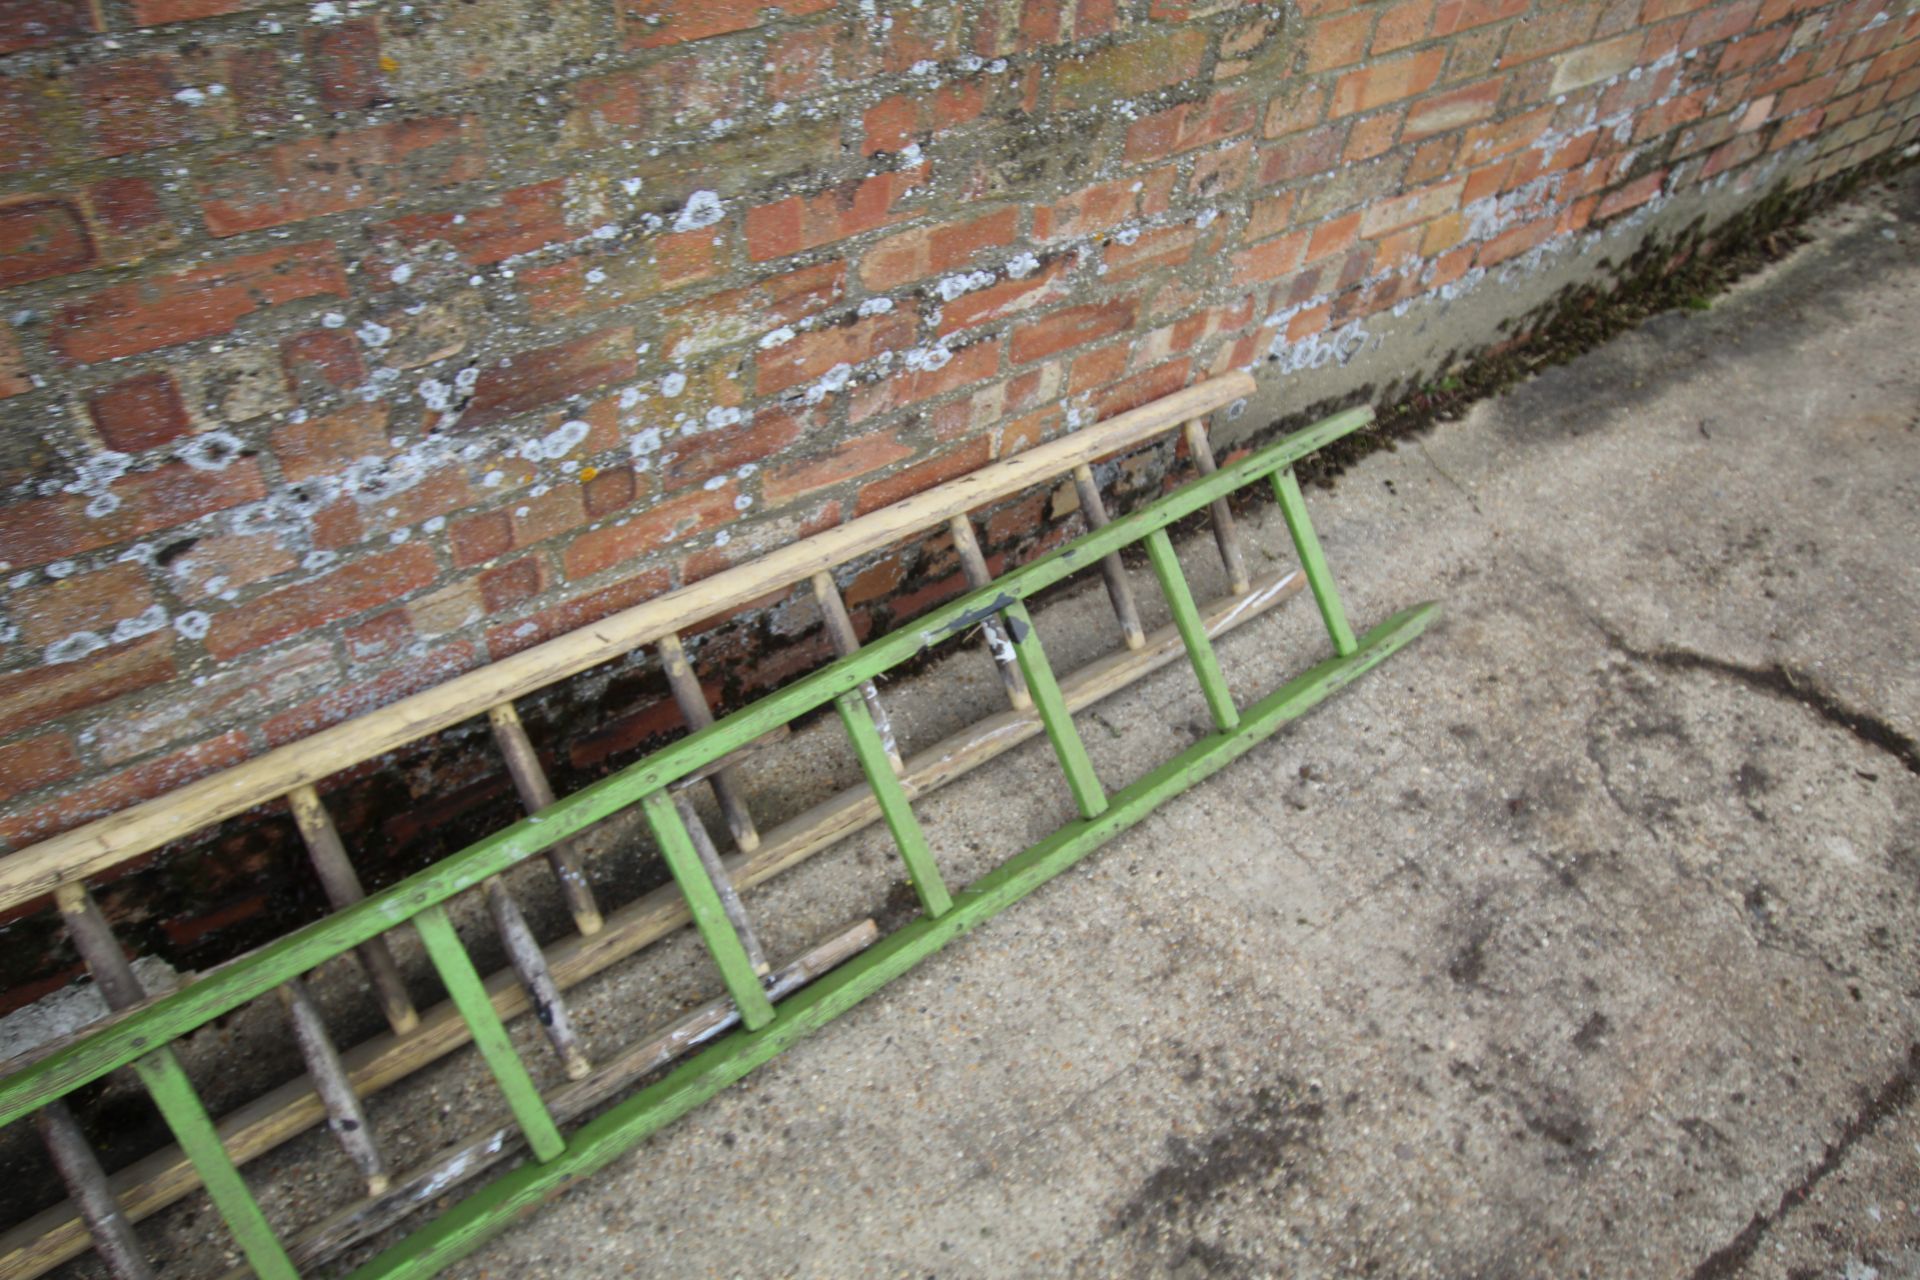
x=351, y=344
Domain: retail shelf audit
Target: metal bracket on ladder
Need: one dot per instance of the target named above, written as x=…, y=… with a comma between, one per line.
x=765, y=1008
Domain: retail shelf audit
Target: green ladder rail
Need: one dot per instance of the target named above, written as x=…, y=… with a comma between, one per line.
x=141, y=1034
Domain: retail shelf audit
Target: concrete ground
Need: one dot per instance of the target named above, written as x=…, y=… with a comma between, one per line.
x=1581, y=939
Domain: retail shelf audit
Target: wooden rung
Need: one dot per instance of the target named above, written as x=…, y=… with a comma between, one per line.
x=483, y=1150
x=1119, y=591
x=722, y=883
x=536, y=793
x=692, y=701
x=342, y=886
x=345, y=1116
x=86, y=1182
x=1225, y=533
x=974, y=564
x=523, y=952
x=153, y=1182
x=845, y=641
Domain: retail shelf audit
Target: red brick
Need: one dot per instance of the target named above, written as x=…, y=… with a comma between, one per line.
x=40, y=695
x=38, y=530
x=925, y=251
x=811, y=354
x=1008, y=27
x=49, y=612
x=41, y=238
x=532, y=379
x=1631, y=196
x=1401, y=25
x=129, y=106
x=1317, y=151
x=345, y=63
x=1191, y=124
x=737, y=315
x=1152, y=250
x=1513, y=243
x=651, y=24
x=1450, y=16
x=35, y=762
x=1340, y=41
x=1103, y=205
x=116, y=791
x=1548, y=31
x=595, y=282
x=1294, y=108
x=328, y=357
x=1269, y=261
x=149, y=13
x=570, y=615
x=1269, y=217
x=358, y=697
x=1453, y=109
x=510, y=584
x=125, y=206
x=1415, y=206
x=805, y=222
x=694, y=458
x=847, y=459
x=311, y=177
x=1223, y=172
x=351, y=589
x=1491, y=141
x=26, y=141
x=1372, y=135
x=939, y=469
x=1722, y=22
x=627, y=108
x=517, y=221
x=606, y=491
x=1386, y=81
x=814, y=61
x=163, y=311
x=1072, y=327
x=965, y=366
x=1038, y=288
x=891, y=123
x=1333, y=236
x=29, y=24
x=139, y=412
x=663, y=524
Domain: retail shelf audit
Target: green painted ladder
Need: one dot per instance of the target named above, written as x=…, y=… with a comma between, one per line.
x=771, y=1012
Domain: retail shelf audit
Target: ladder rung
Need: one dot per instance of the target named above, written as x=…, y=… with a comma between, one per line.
x=167, y=1084
x=845, y=641
x=469, y=995
x=709, y=916
x=79, y=1168
x=346, y=1117
x=1225, y=533
x=1313, y=561
x=523, y=952
x=1071, y=752
x=692, y=701
x=536, y=793
x=1119, y=590
x=342, y=886
x=895, y=808
x=722, y=882
x=974, y=564
x=1193, y=631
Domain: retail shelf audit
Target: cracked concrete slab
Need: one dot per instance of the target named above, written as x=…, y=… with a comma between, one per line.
x=1579, y=940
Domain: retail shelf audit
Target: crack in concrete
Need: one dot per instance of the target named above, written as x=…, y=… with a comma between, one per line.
x=1891, y=1097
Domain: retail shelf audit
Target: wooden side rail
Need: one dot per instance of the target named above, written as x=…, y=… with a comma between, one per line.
x=103, y=844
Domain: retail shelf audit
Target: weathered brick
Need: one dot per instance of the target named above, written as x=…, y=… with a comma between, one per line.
x=353, y=588
x=29, y=24
x=56, y=610
x=36, y=762
x=1071, y=327
x=199, y=302
x=803, y=63
x=1317, y=151
x=26, y=141
x=693, y=458
x=41, y=238
x=1453, y=109
x=859, y=456
x=1402, y=24
x=674, y=520
x=921, y=476
x=811, y=354
x=738, y=315
x=13, y=366
x=149, y=13
x=312, y=177
x=328, y=358
x=139, y=412
x=626, y=108
x=602, y=282
x=530, y=379
x=965, y=366
x=1008, y=27
x=1131, y=67
x=1047, y=283
x=344, y=61
x=1415, y=206
x=1191, y=124
x=357, y=697
x=41, y=695
x=38, y=530
x=1339, y=41
x=925, y=251
x=651, y=24
x=116, y=791
x=1103, y=205
x=1386, y=81
x=805, y=222
x=1596, y=62
x=891, y=123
